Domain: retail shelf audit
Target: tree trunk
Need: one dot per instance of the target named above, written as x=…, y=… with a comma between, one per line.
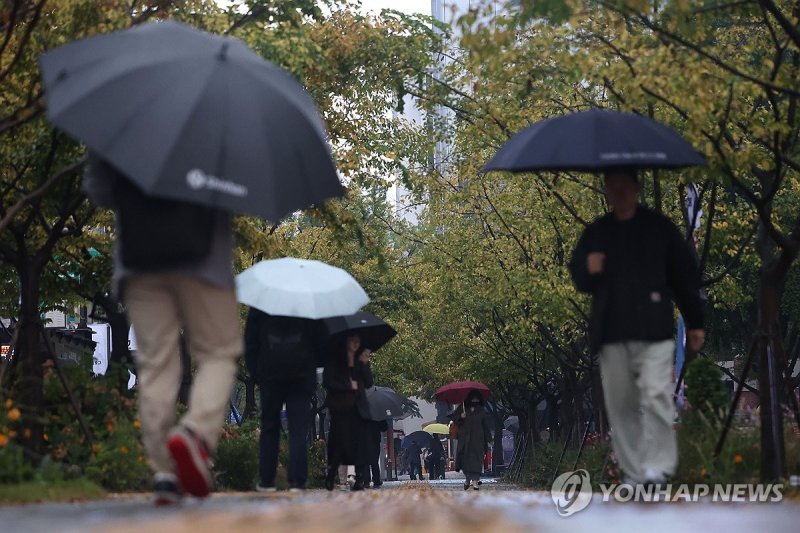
x=770, y=378
x=31, y=361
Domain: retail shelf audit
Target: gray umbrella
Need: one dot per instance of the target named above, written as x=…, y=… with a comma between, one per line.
x=193, y=116
x=385, y=403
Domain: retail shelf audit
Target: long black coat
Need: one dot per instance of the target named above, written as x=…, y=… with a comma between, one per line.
x=473, y=438
x=349, y=438
x=648, y=264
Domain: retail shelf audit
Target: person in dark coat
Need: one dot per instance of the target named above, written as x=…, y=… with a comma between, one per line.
x=375, y=429
x=346, y=375
x=281, y=353
x=634, y=262
x=414, y=461
x=473, y=438
x=434, y=462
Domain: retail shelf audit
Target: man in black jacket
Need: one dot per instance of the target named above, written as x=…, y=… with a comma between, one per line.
x=281, y=353
x=634, y=262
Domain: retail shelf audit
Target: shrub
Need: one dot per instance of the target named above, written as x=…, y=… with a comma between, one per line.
x=236, y=461
x=704, y=389
x=118, y=461
x=13, y=466
x=316, y=465
x=104, y=407
x=540, y=466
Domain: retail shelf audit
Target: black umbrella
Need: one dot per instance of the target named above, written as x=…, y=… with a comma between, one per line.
x=420, y=438
x=193, y=116
x=592, y=141
x=373, y=331
x=385, y=403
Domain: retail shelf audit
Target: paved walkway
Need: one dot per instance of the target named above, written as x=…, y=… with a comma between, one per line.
x=405, y=507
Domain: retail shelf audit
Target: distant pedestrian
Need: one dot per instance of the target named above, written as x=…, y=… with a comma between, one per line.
x=185, y=284
x=634, y=262
x=414, y=459
x=346, y=376
x=281, y=353
x=434, y=461
x=473, y=438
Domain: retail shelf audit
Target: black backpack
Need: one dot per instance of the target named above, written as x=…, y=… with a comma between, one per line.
x=290, y=351
x=156, y=233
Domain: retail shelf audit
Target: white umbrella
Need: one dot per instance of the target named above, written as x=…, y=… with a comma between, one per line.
x=301, y=288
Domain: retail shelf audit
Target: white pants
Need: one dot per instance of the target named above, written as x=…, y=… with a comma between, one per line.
x=638, y=390
x=159, y=306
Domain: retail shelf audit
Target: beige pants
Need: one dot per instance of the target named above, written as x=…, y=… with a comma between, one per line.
x=638, y=390
x=159, y=306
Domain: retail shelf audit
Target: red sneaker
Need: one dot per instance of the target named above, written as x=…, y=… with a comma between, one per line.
x=192, y=461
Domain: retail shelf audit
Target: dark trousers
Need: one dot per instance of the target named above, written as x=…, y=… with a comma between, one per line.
x=414, y=470
x=376, y=473
x=296, y=394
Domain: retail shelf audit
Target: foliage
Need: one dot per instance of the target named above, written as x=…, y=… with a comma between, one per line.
x=316, y=464
x=705, y=390
x=738, y=461
x=596, y=458
x=236, y=460
x=118, y=462
x=13, y=466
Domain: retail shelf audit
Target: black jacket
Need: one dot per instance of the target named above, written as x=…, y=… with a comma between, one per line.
x=648, y=264
x=280, y=347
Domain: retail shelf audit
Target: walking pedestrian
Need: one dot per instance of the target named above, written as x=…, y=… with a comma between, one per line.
x=413, y=453
x=634, y=262
x=473, y=438
x=166, y=293
x=346, y=375
x=281, y=353
x=435, y=459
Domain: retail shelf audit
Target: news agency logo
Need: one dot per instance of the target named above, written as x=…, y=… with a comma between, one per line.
x=571, y=492
x=197, y=179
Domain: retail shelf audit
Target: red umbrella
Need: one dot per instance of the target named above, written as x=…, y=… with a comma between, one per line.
x=457, y=391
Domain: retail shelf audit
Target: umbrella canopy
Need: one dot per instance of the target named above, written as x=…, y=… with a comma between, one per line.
x=385, y=403
x=301, y=288
x=511, y=423
x=457, y=391
x=193, y=116
x=420, y=438
x=592, y=141
x=373, y=331
x=440, y=429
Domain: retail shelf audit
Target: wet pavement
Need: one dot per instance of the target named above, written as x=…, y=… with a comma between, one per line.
x=404, y=506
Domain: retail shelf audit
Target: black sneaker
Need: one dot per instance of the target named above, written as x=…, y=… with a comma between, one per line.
x=166, y=490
